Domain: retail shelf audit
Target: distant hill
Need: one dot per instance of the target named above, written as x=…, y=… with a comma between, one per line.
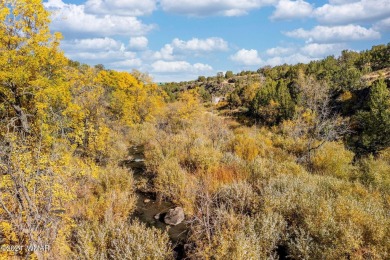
x=351, y=70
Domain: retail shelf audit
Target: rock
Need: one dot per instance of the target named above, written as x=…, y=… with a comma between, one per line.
x=146, y=200
x=157, y=216
x=174, y=216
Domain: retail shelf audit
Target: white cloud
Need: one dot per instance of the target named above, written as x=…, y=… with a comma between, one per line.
x=166, y=53
x=246, y=57
x=324, y=34
x=138, y=43
x=194, y=46
x=383, y=25
x=287, y=9
x=73, y=19
x=201, y=45
x=340, y=2
x=102, y=44
x=313, y=50
x=213, y=7
x=345, y=12
x=179, y=66
x=317, y=50
x=96, y=50
x=202, y=67
x=279, y=51
x=126, y=64
x=291, y=59
x=120, y=7
x=96, y=29
x=303, y=54
x=100, y=56
x=54, y=4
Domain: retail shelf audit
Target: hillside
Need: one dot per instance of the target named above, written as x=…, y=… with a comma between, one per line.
x=350, y=70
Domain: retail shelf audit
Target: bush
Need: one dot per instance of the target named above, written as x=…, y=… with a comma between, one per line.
x=375, y=173
x=221, y=233
x=245, y=147
x=108, y=197
x=238, y=197
x=174, y=184
x=332, y=159
x=240, y=237
x=263, y=169
x=120, y=241
x=328, y=218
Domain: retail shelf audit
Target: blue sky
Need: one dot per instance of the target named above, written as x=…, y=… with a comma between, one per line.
x=175, y=40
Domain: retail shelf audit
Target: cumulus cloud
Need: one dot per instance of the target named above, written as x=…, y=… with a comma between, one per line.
x=313, y=50
x=324, y=34
x=201, y=45
x=120, y=7
x=179, y=66
x=317, y=50
x=303, y=54
x=199, y=67
x=97, y=50
x=286, y=9
x=70, y=18
x=194, y=46
x=126, y=64
x=339, y=2
x=54, y=4
x=247, y=57
x=102, y=44
x=166, y=53
x=345, y=12
x=138, y=43
x=383, y=25
x=100, y=56
x=280, y=51
x=213, y=7
x=291, y=59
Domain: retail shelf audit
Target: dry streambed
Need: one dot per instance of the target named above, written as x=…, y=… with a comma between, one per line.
x=153, y=212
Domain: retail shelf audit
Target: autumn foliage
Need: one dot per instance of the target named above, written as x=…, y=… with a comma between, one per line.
x=298, y=183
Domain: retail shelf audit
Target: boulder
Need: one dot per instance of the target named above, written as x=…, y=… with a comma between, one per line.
x=157, y=216
x=174, y=216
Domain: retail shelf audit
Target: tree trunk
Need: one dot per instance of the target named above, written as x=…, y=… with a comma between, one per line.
x=22, y=117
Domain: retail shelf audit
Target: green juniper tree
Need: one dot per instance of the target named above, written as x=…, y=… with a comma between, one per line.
x=373, y=125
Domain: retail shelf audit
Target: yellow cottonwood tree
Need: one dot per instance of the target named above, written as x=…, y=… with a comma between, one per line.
x=85, y=116
x=33, y=93
x=132, y=101
x=33, y=197
x=29, y=58
x=190, y=105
